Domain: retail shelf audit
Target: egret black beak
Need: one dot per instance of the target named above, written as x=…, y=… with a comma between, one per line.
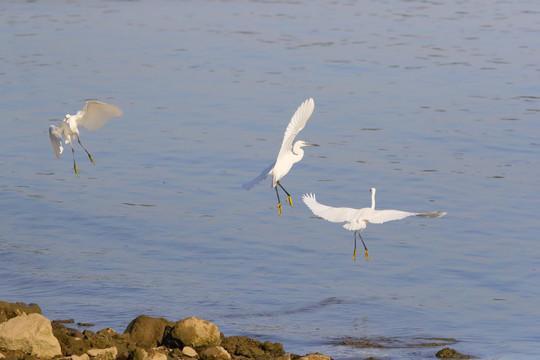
x=308, y=144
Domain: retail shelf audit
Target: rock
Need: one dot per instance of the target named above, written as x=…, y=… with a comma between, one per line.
x=147, y=331
x=251, y=348
x=448, y=353
x=193, y=332
x=82, y=357
x=139, y=354
x=156, y=356
x=31, y=333
x=11, y=310
x=315, y=356
x=284, y=357
x=215, y=353
x=103, y=354
x=189, y=352
x=107, y=332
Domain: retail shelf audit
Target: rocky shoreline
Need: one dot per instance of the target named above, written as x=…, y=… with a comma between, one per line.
x=26, y=334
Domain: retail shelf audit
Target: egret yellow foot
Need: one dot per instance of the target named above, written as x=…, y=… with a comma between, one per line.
x=76, y=170
x=91, y=159
x=289, y=200
x=279, y=209
x=367, y=255
x=354, y=255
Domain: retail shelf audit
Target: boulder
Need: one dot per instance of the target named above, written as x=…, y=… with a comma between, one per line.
x=11, y=310
x=189, y=352
x=315, y=356
x=156, y=356
x=147, y=331
x=82, y=357
x=449, y=353
x=139, y=354
x=252, y=348
x=193, y=332
x=30, y=333
x=215, y=353
x=103, y=354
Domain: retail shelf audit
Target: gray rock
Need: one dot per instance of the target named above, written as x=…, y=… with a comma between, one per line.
x=30, y=333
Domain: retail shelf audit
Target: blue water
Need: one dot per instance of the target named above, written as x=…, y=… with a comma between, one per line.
x=436, y=104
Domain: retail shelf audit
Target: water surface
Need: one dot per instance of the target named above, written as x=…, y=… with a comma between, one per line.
x=434, y=104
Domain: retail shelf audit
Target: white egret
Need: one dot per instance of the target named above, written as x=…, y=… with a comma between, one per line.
x=93, y=116
x=288, y=154
x=357, y=219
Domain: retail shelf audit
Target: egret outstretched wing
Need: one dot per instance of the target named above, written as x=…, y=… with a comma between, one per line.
x=95, y=114
x=56, y=140
x=259, y=178
x=382, y=216
x=433, y=214
x=332, y=214
x=297, y=123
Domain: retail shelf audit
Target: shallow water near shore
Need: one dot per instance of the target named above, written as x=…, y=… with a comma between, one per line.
x=435, y=104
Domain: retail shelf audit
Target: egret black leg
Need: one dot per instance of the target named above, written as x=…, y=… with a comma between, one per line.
x=354, y=254
x=278, y=203
x=74, y=163
x=289, y=200
x=87, y=153
x=365, y=248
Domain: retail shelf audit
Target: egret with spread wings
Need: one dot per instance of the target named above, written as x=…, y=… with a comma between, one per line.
x=93, y=116
x=357, y=219
x=288, y=154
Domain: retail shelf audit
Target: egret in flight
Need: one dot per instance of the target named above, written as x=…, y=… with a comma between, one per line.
x=288, y=154
x=357, y=219
x=93, y=116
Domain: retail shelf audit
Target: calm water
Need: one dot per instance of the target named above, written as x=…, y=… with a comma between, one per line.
x=436, y=104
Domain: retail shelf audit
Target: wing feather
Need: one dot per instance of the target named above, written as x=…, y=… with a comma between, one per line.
x=297, y=123
x=332, y=214
x=382, y=216
x=433, y=214
x=56, y=140
x=95, y=114
x=259, y=178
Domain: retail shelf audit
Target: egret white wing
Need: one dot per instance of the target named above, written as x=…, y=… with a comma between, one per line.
x=382, y=216
x=332, y=214
x=95, y=114
x=56, y=140
x=433, y=214
x=259, y=178
x=297, y=123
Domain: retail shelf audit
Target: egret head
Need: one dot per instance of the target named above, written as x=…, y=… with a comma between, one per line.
x=299, y=144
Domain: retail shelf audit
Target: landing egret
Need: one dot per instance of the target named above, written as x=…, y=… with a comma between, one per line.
x=93, y=116
x=288, y=154
x=357, y=219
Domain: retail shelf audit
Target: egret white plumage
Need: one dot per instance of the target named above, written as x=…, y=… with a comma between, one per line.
x=288, y=154
x=92, y=116
x=357, y=219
